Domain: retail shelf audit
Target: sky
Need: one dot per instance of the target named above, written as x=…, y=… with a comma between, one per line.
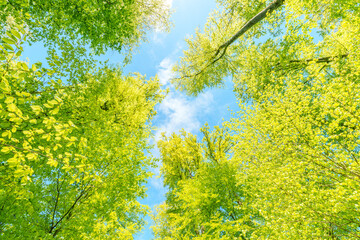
x=177, y=111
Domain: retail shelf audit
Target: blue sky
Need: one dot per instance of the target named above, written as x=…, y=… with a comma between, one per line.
x=177, y=111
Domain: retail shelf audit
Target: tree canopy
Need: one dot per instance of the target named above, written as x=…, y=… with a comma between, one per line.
x=74, y=143
x=295, y=157
x=204, y=199
x=110, y=24
x=74, y=132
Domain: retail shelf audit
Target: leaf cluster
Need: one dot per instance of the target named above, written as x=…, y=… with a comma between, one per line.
x=295, y=155
x=73, y=135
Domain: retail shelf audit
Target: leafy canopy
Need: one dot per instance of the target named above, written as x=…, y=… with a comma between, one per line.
x=296, y=139
x=110, y=24
x=73, y=135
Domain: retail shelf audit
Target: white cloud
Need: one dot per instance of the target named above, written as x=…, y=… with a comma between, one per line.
x=181, y=112
x=158, y=37
x=168, y=3
x=176, y=112
x=165, y=73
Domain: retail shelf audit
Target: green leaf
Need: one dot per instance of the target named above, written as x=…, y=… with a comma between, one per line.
x=9, y=41
x=12, y=107
x=52, y=162
x=16, y=33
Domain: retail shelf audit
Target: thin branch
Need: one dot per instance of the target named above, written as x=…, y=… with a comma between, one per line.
x=320, y=60
x=220, y=52
x=296, y=64
x=249, y=24
x=56, y=200
x=82, y=194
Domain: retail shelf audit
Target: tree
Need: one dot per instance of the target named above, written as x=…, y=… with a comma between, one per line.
x=74, y=136
x=223, y=48
x=297, y=138
x=103, y=25
x=204, y=201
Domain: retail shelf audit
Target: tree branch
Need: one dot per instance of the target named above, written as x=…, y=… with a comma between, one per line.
x=296, y=64
x=320, y=60
x=220, y=52
x=249, y=24
x=83, y=194
x=56, y=200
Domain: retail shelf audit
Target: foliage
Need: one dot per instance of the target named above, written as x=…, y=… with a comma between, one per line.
x=73, y=155
x=204, y=200
x=296, y=75
x=114, y=24
x=74, y=135
x=301, y=152
x=285, y=36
